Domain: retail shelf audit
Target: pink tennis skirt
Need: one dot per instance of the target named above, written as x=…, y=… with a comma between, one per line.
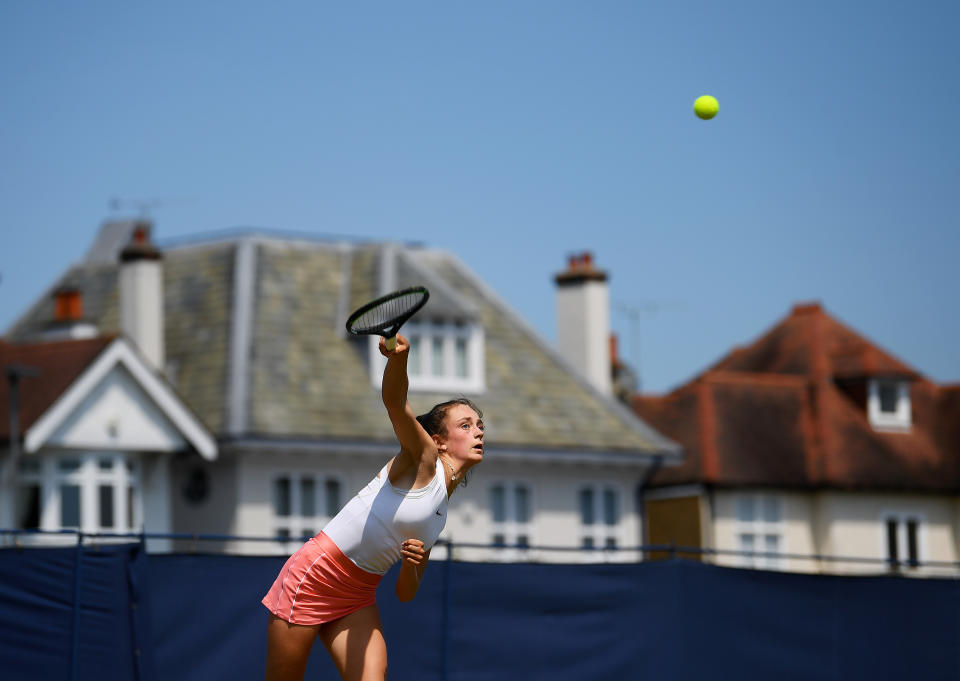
x=320, y=584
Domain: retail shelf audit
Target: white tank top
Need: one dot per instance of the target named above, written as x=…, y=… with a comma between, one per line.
x=371, y=527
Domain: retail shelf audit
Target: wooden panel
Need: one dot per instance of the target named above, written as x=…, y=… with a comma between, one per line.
x=674, y=521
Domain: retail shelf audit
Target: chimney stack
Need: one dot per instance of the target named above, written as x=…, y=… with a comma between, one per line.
x=583, y=320
x=141, y=294
x=68, y=321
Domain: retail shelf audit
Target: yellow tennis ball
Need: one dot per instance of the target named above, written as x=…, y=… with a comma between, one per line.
x=706, y=107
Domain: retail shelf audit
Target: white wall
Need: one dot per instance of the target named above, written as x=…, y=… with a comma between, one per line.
x=846, y=524
x=554, y=490
x=156, y=497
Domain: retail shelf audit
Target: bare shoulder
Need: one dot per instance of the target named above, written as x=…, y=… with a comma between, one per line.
x=407, y=471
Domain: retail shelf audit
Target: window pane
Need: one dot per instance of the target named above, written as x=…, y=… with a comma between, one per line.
x=333, y=497
x=586, y=506
x=892, y=553
x=460, y=357
x=105, y=464
x=522, y=510
x=436, y=356
x=281, y=497
x=28, y=507
x=746, y=542
x=771, y=543
x=69, y=506
x=523, y=541
x=771, y=509
x=414, y=357
x=68, y=465
x=587, y=543
x=610, y=510
x=283, y=533
x=913, y=554
x=28, y=466
x=888, y=397
x=611, y=543
x=307, y=498
x=499, y=540
x=497, y=505
x=106, y=507
x=745, y=509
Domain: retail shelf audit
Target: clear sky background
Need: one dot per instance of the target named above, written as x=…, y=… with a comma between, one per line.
x=514, y=134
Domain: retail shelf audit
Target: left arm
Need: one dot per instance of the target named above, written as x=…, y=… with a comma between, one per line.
x=413, y=563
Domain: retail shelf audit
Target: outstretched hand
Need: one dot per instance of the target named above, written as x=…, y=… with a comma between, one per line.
x=403, y=345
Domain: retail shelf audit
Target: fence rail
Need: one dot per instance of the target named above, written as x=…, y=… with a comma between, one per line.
x=519, y=553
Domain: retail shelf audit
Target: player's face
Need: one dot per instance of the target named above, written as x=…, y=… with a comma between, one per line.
x=464, y=438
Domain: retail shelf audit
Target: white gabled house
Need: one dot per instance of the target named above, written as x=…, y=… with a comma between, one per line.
x=252, y=340
x=100, y=432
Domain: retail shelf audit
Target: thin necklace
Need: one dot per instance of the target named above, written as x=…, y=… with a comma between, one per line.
x=453, y=476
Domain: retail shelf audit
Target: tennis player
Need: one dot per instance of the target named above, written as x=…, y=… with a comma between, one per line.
x=327, y=589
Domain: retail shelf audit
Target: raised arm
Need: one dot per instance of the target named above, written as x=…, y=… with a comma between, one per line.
x=414, y=440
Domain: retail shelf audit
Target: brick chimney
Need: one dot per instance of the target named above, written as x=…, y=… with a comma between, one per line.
x=68, y=321
x=141, y=294
x=583, y=320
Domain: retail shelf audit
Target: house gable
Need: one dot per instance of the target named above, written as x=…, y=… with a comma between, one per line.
x=117, y=402
x=116, y=413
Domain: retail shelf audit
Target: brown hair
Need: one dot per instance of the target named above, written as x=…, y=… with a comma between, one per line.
x=433, y=420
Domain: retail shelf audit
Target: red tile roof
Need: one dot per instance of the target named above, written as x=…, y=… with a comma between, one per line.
x=785, y=412
x=59, y=363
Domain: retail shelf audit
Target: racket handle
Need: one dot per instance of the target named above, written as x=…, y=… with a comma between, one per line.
x=391, y=343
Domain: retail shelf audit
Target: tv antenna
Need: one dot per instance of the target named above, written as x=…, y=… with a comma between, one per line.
x=144, y=208
x=634, y=311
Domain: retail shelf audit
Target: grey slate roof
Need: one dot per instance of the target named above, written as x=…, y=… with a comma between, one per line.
x=255, y=345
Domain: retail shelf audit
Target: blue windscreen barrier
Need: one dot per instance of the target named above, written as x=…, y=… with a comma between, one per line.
x=74, y=613
x=36, y=613
x=115, y=613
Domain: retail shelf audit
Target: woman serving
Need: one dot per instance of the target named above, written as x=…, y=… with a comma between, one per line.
x=327, y=589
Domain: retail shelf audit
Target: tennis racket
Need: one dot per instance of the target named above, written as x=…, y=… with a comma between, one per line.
x=385, y=315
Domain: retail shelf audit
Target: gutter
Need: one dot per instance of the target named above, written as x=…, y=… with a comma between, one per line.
x=641, y=497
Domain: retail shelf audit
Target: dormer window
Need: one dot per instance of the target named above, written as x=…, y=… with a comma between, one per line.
x=445, y=355
x=888, y=404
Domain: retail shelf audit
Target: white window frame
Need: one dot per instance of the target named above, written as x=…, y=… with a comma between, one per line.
x=901, y=518
x=448, y=332
x=759, y=529
x=511, y=528
x=297, y=526
x=600, y=532
x=898, y=420
x=123, y=474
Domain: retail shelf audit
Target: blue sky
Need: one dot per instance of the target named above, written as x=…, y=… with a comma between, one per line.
x=514, y=134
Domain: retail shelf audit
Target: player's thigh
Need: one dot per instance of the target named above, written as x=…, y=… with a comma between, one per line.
x=288, y=649
x=356, y=644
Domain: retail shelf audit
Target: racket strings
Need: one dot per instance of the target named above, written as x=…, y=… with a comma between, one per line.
x=386, y=313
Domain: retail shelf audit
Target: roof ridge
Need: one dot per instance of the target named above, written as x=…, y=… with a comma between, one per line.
x=233, y=234
x=754, y=377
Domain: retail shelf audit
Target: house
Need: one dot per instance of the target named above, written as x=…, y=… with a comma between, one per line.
x=811, y=441
x=100, y=426
x=248, y=329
